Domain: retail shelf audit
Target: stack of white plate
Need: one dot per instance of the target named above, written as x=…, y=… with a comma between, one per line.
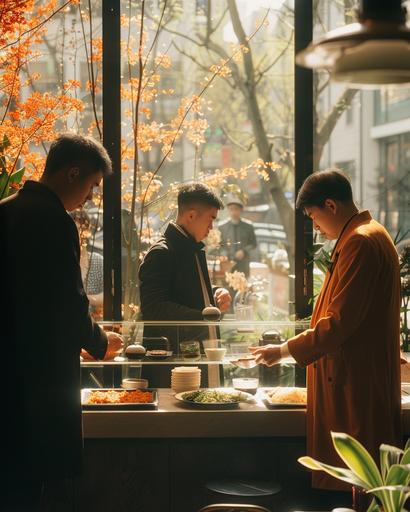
x=185, y=378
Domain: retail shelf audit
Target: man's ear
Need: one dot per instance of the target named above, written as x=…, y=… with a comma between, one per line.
x=331, y=205
x=72, y=174
x=192, y=214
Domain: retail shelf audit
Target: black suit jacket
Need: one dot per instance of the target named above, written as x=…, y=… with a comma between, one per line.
x=47, y=324
x=170, y=286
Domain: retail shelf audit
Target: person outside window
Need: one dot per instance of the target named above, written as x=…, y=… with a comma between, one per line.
x=92, y=265
x=237, y=237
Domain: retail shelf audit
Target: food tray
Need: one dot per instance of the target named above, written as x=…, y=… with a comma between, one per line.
x=85, y=393
x=282, y=405
x=161, y=357
x=214, y=405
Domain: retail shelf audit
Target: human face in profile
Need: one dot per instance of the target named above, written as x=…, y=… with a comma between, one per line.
x=80, y=188
x=325, y=219
x=200, y=221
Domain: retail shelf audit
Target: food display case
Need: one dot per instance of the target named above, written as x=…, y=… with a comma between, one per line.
x=218, y=348
x=196, y=370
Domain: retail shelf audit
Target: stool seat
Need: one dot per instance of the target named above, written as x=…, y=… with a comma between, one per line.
x=244, y=487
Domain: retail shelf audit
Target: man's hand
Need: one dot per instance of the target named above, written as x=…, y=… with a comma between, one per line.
x=267, y=355
x=239, y=255
x=223, y=299
x=115, y=344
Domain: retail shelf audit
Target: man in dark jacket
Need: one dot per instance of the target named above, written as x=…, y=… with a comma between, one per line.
x=47, y=322
x=174, y=277
x=237, y=237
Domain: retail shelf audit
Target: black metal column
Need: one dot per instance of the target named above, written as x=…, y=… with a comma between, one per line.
x=112, y=142
x=303, y=159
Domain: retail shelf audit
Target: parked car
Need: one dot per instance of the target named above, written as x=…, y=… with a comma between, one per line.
x=269, y=237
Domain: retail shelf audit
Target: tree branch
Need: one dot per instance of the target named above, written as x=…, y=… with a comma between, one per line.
x=333, y=117
x=236, y=142
x=199, y=64
x=281, y=54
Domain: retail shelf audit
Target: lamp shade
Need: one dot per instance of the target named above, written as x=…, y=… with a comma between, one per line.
x=374, y=63
x=374, y=52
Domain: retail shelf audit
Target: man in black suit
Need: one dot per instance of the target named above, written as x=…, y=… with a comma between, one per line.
x=237, y=237
x=174, y=279
x=47, y=322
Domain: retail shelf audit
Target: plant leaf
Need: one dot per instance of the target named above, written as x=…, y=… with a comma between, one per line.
x=406, y=455
x=388, y=455
x=4, y=185
x=340, y=473
x=398, y=475
x=357, y=458
x=6, y=142
x=373, y=506
x=17, y=176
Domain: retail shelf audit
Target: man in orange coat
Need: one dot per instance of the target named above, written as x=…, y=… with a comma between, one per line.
x=352, y=349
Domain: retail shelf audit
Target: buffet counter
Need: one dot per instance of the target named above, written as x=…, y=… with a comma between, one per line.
x=175, y=420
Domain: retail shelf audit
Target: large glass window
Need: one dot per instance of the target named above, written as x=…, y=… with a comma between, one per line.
x=207, y=94
x=50, y=82
x=392, y=105
x=365, y=133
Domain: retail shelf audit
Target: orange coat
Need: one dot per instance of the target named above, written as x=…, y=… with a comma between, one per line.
x=352, y=348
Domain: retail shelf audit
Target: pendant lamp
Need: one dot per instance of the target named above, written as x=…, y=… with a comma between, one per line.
x=373, y=52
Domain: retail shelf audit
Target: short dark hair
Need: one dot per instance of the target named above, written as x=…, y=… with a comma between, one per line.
x=197, y=193
x=72, y=150
x=322, y=185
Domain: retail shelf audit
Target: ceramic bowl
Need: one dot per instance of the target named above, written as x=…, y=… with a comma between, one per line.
x=134, y=383
x=215, y=354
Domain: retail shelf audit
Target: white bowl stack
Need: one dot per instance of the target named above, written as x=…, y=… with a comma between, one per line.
x=185, y=378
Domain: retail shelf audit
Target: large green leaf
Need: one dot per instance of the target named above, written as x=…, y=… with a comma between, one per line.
x=357, y=458
x=406, y=456
x=340, y=473
x=388, y=455
x=17, y=176
x=6, y=180
x=398, y=475
x=373, y=507
x=4, y=185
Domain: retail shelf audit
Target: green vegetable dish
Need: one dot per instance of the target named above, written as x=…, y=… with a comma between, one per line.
x=212, y=396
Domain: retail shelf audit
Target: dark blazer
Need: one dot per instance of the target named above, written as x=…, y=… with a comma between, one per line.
x=170, y=286
x=235, y=237
x=47, y=324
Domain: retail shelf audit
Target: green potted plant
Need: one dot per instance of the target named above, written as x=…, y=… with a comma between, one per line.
x=389, y=485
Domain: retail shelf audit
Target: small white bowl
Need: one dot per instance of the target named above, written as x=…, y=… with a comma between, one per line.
x=247, y=384
x=134, y=383
x=215, y=354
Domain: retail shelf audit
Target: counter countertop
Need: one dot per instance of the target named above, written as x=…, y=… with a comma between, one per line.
x=176, y=420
